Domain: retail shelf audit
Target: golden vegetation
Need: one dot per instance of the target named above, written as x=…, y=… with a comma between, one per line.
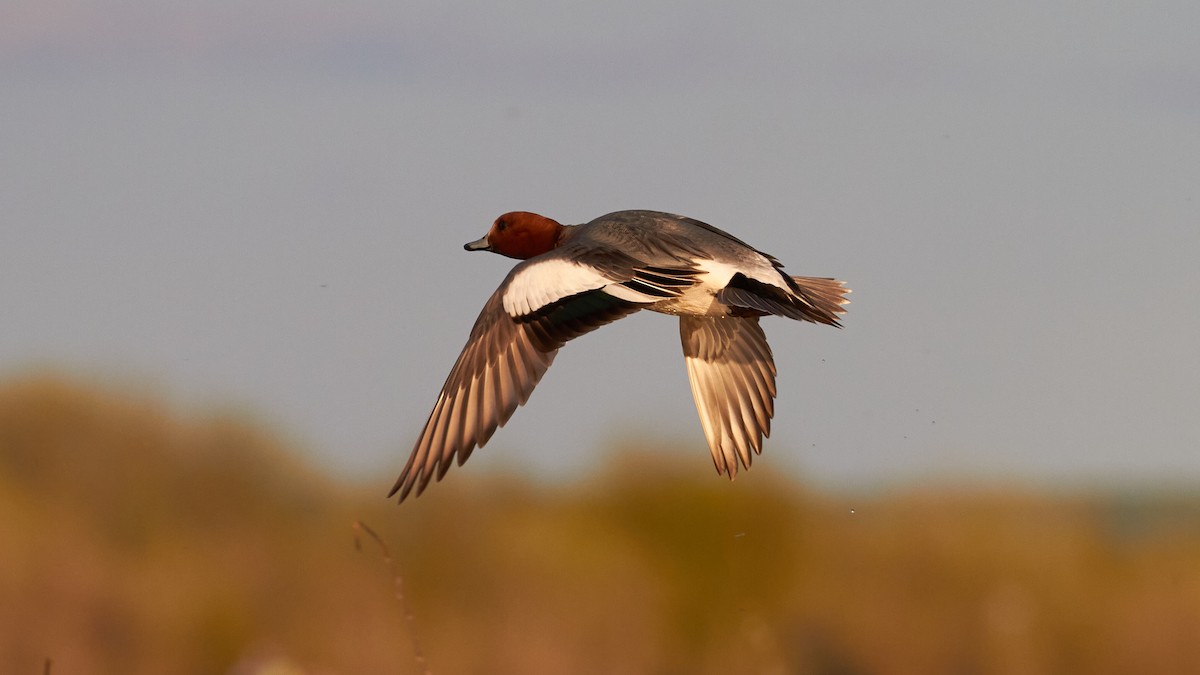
x=136, y=541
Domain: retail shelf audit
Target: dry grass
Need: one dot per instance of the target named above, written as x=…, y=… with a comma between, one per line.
x=135, y=541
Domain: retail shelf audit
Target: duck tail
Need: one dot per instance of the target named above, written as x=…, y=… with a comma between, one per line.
x=824, y=298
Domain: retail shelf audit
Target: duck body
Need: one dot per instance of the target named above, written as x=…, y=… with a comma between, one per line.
x=576, y=278
x=660, y=254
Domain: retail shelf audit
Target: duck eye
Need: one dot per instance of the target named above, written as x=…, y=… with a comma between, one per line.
x=501, y=225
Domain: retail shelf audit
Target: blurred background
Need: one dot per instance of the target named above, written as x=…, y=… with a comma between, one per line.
x=232, y=282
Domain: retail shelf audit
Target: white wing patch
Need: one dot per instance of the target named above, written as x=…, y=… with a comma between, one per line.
x=717, y=274
x=547, y=281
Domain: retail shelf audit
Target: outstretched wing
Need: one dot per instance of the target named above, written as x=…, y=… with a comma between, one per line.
x=539, y=307
x=732, y=374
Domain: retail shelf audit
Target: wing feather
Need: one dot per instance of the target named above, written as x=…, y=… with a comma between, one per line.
x=503, y=360
x=732, y=374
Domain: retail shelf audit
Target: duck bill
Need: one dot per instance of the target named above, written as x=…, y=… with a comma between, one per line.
x=478, y=245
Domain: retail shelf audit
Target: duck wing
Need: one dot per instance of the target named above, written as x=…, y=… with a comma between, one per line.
x=732, y=374
x=541, y=305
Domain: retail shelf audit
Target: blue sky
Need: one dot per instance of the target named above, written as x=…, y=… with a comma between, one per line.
x=262, y=205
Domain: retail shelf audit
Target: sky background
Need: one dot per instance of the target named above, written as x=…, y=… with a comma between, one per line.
x=262, y=206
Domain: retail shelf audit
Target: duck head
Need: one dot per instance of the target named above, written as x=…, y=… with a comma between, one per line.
x=519, y=234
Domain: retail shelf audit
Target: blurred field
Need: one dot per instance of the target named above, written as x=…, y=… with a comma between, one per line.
x=134, y=540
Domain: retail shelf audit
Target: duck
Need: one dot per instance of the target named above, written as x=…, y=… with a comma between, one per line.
x=574, y=279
